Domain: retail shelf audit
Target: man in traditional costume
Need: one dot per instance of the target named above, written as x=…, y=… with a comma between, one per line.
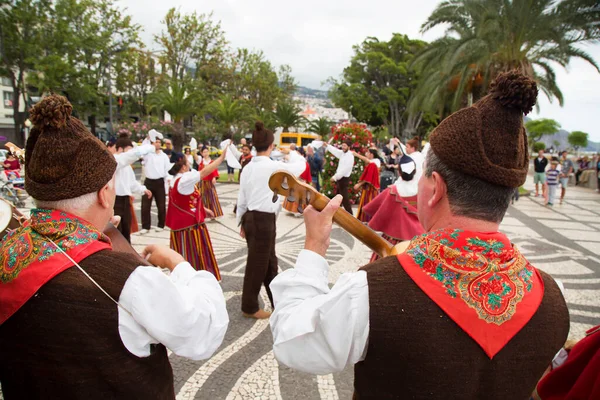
x=156, y=168
x=125, y=183
x=186, y=214
x=394, y=211
x=257, y=214
x=460, y=314
x=368, y=182
x=79, y=320
x=343, y=171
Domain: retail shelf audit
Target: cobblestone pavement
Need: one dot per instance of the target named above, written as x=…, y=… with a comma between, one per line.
x=563, y=241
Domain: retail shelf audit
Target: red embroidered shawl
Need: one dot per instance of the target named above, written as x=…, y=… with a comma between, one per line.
x=371, y=175
x=480, y=280
x=28, y=260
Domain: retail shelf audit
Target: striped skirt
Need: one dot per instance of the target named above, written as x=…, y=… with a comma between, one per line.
x=210, y=198
x=369, y=193
x=195, y=246
x=394, y=241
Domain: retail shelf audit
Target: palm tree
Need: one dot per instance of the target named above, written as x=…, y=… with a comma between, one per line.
x=321, y=126
x=227, y=111
x=266, y=117
x=287, y=115
x=179, y=102
x=486, y=37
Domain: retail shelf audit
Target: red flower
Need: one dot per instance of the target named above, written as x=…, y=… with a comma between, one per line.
x=488, y=287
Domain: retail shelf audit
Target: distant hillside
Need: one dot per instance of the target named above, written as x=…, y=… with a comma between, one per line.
x=559, y=141
x=304, y=91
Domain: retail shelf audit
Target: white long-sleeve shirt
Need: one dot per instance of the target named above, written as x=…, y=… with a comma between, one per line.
x=344, y=169
x=125, y=182
x=185, y=311
x=187, y=183
x=255, y=194
x=316, y=329
x=157, y=165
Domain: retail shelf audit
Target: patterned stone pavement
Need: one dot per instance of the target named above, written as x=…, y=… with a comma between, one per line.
x=563, y=241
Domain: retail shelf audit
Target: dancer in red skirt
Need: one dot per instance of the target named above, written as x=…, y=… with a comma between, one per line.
x=394, y=211
x=369, y=181
x=210, y=199
x=186, y=214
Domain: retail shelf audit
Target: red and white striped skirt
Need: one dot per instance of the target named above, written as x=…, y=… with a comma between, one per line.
x=195, y=246
x=210, y=199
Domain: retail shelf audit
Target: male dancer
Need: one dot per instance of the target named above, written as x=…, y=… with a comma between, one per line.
x=343, y=171
x=125, y=183
x=461, y=313
x=257, y=213
x=156, y=166
x=79, y=319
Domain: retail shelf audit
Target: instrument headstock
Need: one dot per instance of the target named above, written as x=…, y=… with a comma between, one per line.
x=16, y=150
x=285, y=184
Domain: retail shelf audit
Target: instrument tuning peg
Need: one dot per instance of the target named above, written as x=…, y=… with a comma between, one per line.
x=284, y=184
x=300, y=208
x=307, y=197
x=291, y=197
x=275, y=197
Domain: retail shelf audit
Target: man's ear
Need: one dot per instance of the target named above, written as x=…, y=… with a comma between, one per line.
x=104, y=195
x=439, y=189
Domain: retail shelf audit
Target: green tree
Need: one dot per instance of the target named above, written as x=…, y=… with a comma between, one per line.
x=578, y=139
x=321, y=126
x=536, y=128
x=228, y=112
x=179, y=102
x=136, y=78
x=287, y=115
x=192, y=44
x=376, y=86
x=486, y=37
x=537, y=146
x=22, y=24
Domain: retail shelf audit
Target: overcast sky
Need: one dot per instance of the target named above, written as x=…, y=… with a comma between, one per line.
x=316, y=37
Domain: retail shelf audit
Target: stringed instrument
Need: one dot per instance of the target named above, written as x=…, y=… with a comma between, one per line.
x=285, y=184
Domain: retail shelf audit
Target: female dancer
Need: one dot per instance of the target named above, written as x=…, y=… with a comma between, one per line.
x=369, y=181
x=186, y=214
x=210, y=199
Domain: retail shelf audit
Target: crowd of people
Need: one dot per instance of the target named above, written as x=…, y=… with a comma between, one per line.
x=459, y=313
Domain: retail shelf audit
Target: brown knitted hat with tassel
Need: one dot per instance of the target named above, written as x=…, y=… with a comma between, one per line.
x=488, y=140
x=63, y=160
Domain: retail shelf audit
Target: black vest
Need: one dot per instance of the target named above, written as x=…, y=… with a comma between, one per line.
x=416, y=351
x=64, y=342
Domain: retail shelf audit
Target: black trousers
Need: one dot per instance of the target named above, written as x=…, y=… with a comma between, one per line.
x=122, y=209
x=157, y=187
x=261, y=265
x=342, y=188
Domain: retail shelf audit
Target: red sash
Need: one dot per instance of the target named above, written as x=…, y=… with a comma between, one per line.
x=480, y=280
x=28, y=260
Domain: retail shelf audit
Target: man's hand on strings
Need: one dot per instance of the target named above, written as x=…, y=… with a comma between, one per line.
x=318, y=226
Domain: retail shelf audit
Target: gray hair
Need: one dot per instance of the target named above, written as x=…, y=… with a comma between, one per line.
x=74, y=206
x=469, y=196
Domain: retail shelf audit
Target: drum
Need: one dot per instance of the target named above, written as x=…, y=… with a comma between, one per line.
x=10, y=218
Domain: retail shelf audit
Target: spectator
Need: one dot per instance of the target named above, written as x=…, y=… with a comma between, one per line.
x=582, y=165
x=11, y=163
x=565, y=173
x=539, y=175
x=552, y=176
x=316, y=166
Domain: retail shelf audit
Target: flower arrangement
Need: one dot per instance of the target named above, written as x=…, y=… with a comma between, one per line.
x=139, y=130
x=361, y=139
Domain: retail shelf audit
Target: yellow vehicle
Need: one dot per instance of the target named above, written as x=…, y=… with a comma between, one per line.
x=301, y=139
x=214, y=152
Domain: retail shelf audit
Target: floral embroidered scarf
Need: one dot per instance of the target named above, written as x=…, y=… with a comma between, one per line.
x=480, y=280
x=28, y=260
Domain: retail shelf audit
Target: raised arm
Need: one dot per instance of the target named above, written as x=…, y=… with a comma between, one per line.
x=335, y=151
x=361, y=157
x=208, y=169
x=130, y=156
